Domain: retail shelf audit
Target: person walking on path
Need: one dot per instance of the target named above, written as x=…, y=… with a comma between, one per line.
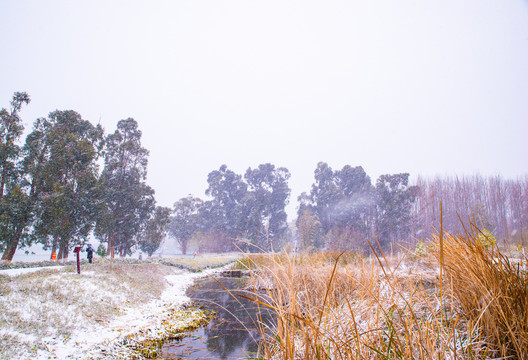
x=89, y=252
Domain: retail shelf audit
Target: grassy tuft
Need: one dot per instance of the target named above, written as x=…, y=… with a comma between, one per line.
x=332, y=306
x=491, y=288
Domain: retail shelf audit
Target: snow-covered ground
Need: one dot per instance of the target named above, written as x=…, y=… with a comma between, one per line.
x=20, y=271
x=90, y=340
x=95, y=339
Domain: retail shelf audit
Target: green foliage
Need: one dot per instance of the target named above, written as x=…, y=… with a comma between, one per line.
x=61, y=167
x=15, y=208
x=127, y=202
x=155, y=230
x=101, y=251
x=420, y=249
x=350, y=209
x=486, y=238
x=266, y=201
x=14, y=204
x=11, y=128
x=252, y=211
x=343, y=201
x=394, y=200
x=186, y=220
x=52, y=185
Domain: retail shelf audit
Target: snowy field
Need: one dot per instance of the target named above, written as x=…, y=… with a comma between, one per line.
x=58, y=314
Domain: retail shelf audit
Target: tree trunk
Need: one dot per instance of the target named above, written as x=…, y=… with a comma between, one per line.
x=12, y=245
x=3, y=180
x=54, y=247
x=59, y=255
x=63, y=251
x=184, y=247
x=110, y=250
x=10, y=251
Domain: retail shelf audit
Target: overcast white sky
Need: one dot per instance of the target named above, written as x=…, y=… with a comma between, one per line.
x=421, y=86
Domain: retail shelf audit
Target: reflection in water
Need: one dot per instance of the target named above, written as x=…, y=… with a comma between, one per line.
x=233, y=334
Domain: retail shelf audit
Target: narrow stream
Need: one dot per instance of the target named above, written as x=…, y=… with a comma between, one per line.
x=232, y=334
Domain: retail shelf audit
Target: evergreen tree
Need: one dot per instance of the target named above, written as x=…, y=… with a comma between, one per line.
x=224, y=213
x=155, y=230
x=344, y=203
x=266, y=201
x=186, y=220
x=355, y=209
x=325, y=195
x=394, y=201
x=126, y=200
x=61, y=170
x=15, y=215
x=14, y=204
x=11, y=128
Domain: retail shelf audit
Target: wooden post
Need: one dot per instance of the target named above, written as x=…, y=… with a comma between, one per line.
x=77, y=250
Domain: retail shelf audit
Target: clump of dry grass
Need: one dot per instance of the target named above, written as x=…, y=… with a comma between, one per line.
x=491, y=288
x=327, y=308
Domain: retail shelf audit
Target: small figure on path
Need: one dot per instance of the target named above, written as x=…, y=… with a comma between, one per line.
x=89, y=252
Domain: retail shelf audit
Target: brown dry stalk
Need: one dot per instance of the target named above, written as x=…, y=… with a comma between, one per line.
x=327, y=308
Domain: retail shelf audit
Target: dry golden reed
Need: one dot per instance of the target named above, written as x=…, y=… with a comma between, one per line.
x=491, y=288
x=342, y=306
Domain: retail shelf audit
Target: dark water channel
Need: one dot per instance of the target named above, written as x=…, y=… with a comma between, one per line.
x=232, y=334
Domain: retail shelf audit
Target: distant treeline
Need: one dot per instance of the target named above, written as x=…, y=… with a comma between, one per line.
x=53, y=192
x=343, y=209
x=491, y=203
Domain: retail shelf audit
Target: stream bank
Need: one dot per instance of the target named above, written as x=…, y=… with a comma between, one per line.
x=233, y=333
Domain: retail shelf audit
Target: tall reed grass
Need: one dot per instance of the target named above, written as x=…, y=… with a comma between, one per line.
x=342, y=306
x=491, y=288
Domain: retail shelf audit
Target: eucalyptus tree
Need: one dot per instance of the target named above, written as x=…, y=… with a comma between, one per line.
x=155, y=230
x=394, y=201
x=186, y=220
x=15, y=215
x=223, y=213
x=126, y=200
x=61, y=170
x=11, y=129
x=325, y=195
x=14, y=211
x=343, y=202
x=268, y=196
x=356, y=208
x=252, y=210
x=22, y=202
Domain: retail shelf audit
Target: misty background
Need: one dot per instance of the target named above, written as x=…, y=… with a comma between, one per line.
x=421, y=87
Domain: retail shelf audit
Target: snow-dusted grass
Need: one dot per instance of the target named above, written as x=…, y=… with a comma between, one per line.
x=459, y=300
x=59, y=314
x=20, y=271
